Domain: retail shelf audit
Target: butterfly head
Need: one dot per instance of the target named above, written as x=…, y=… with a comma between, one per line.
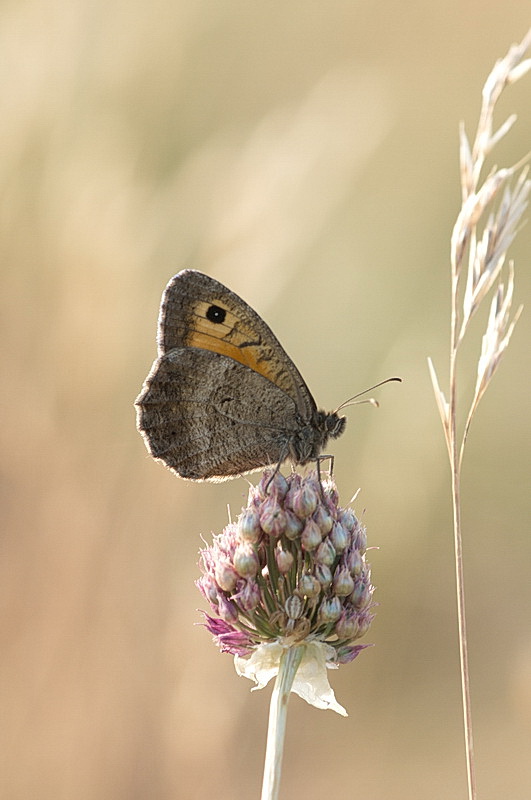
x=332, y=424
x=327, y=425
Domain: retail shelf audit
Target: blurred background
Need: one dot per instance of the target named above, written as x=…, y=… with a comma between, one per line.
x=305, y=154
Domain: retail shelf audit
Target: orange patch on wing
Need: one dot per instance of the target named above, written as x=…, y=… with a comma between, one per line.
x=213, y=336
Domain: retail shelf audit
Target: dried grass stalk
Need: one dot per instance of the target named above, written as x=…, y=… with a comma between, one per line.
x=486, y=226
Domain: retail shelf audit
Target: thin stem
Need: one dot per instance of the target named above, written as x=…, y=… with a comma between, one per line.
x=278, y=711
x=461, y=621
x=455, y=459
x=484, y=255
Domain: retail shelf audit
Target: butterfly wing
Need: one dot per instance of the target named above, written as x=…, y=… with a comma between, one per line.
x=209, y=417
x=198, y=311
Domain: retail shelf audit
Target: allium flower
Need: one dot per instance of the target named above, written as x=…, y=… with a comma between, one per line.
x=290, y=573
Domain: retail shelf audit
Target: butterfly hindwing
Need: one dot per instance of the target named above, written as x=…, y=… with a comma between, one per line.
x=210, y=417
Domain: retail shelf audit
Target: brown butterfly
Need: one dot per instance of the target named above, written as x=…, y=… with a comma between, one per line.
x=223, y=397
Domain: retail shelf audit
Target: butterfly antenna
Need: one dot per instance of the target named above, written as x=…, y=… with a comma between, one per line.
x=353, y=401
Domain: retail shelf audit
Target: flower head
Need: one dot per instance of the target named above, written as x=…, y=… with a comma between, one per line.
x=290, y=572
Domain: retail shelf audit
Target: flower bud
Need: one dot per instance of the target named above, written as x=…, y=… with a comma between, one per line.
x=325, y=553
x=347, y=519
x=361, y=594
x=249, y=597
x=284, y=560
x=331, y=494
x=231, y=540
x=323, y=518
x=226, y=576
x=227, y=610
x=294, y=607
x=272, y=517
x=254, y=498
x=294, y=487
x=249, y=526
x=347, y=626
x=330, y=609
x=343, y=583
x=354, y=562
x=304, y=501
x=278, y=486
x=323, y=575
x=294, y=526
x=246, y=561
x=272, y=484
x=347, y=654
x=209, y=588
x=365, y=619
x=339, y=537
x=311, y=536
x=308, y=587
x=361, y=538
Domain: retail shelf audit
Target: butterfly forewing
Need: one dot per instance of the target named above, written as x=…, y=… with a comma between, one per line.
x=198, y=311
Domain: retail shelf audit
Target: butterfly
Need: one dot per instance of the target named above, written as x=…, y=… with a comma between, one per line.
x=223, y=397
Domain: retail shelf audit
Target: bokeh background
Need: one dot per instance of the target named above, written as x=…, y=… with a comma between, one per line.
x=305, y=154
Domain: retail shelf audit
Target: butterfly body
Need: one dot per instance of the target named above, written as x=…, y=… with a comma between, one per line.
x=223, y=397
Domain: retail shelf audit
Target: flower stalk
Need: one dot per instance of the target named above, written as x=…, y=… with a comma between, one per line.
x=278, y=712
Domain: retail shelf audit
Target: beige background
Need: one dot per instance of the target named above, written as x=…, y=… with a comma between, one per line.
x=306, y=154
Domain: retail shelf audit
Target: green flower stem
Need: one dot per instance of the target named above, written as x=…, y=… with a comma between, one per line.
x=278, y=712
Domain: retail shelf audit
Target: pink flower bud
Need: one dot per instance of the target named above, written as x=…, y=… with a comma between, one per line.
x=347, y=519
x=309, y=587
x=347, y=626
x=226, y=576
x=249, y=597
x=361, y=595
x=249, y=526
x=246, y=561
x=325, y=553
x=209, y=588
x=361, y=538
x=311, y=536
x=339, y=537
x=284, y=561
x=294, y=525
x=272, y=517
x=343, y=583
x=323, y=575
x=323, y=518
x=365, y=619
x=330, y=610
x=354, y=563
x=304, y=501
x=227, y=610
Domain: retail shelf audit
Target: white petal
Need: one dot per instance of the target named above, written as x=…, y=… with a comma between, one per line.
x=262, y=665
x=311, y=680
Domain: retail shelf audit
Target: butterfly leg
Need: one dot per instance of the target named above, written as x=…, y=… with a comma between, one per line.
x=318, y=461
x=283, y=457
x=318, y=466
